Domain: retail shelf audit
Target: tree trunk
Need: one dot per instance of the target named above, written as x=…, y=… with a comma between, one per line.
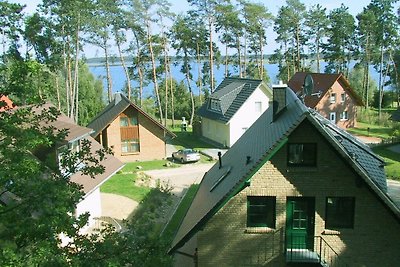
x=211, y=56
x=239, y=56
x=108, y=73
x=318, y=56
x=187, y=74
x=245, y=56
x=298, y=60
x=153, y=63
x=171, y=85
x=64, y=55
x=76, y=74
x=261, y=70
x=226, y=60
x=200, y=85
x=58, y=93
x=380, y=85
x=128, y=83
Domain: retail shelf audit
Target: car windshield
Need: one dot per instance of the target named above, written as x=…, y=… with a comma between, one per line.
x=188, y=151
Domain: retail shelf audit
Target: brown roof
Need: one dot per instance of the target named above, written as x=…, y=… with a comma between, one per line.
x=110, y=163
x=8, y=104
x=76, y=132
x=322, y=82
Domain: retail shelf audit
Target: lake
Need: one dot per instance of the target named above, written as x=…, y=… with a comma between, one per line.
x=119, y=79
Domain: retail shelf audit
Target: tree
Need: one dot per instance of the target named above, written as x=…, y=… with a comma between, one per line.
x=339, y=47
x=317, y=24
x=69, y=18
x=10, y=24
x=357, y=81
x=40, y=198
x=231, y=28
x=206, y=10
x=147, y=9
x=257, y=20
x=288, y=25
x=386, y=37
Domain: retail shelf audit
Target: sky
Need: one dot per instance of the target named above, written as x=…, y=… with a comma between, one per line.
x=181, y=6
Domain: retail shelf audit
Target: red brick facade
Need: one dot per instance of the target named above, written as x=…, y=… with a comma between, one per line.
x=151, y=140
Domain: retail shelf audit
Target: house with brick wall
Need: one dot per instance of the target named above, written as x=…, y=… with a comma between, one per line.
x=294, y=189
x=129, y=131
x=229, y=111
x=334, y=98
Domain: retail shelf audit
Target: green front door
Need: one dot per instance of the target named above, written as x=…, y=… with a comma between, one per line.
x=300, y=222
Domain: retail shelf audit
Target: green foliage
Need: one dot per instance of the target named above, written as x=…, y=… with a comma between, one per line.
x=339, y=47
x=357, y=79
x=40, y=199
x=371, y=116
x=176, y=220
x=392, y=160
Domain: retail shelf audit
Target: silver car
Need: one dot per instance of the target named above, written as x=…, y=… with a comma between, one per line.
x=186, y=155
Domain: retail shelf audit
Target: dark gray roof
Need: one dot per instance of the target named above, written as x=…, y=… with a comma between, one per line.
x=118, y=105
x=260, y=142
x=232, y=93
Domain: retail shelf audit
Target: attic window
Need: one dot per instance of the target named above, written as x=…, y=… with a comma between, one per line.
x=215, y=105
x=300, y=155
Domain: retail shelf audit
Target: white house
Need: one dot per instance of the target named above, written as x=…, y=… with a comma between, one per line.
x=232, y=108
x=91, y=202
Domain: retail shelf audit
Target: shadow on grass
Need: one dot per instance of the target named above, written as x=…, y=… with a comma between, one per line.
x=189, y=140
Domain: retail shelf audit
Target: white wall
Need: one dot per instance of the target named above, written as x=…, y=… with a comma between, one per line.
x=92, y=204
x=216, y=131
x=247, y=114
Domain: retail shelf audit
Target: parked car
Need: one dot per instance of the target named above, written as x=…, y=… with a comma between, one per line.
x=186, y=155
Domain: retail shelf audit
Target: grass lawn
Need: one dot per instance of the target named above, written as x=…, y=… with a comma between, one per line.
x=123, y=183
x=392, y=160
x=374, y=130
x=177, y=218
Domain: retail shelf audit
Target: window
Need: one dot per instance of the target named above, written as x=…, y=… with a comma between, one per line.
x=302, y=154
x=215, y=105
x=128, y=121
x=332, y=117
x=339, y=212
x=130, y=146
x=344, y=115
x=261, y=211
x=124, y=121
x=333, y=98
x=74, y=146
x=343, y=97
x=258, y=106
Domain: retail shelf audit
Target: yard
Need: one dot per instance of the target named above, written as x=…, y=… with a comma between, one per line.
x=392, y=159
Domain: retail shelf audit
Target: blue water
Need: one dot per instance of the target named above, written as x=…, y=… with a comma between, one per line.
x=119, y=79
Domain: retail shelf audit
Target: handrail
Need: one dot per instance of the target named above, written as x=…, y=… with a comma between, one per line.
x=314, y=249
x=326, y=257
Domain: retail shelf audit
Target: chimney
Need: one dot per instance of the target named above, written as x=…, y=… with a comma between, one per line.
x=279, y=99
x=117, y=97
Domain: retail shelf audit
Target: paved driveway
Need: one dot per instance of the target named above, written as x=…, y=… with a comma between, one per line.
x=181, y=178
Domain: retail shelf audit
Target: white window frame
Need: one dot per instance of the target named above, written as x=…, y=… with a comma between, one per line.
x=258, y=106
x=332, y=98
x=332, y=117
x=343, y=97
x=344, y=116
x=215, y=105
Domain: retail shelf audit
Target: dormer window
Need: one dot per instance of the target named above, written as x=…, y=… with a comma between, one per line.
x=215, y=105
x=74, y=146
